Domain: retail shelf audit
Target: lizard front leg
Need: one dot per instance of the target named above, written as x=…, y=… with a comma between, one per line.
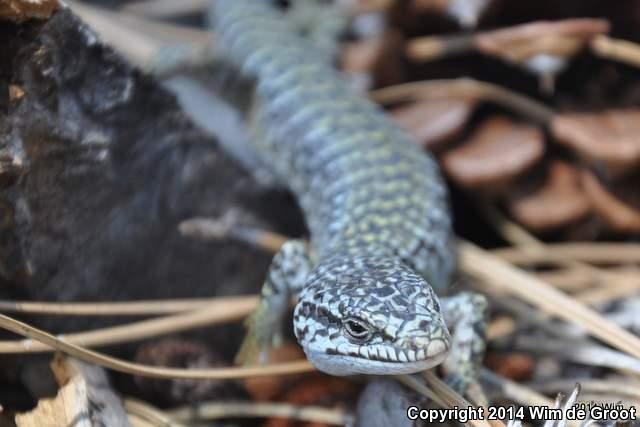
x=466, y=315
x=287, y=275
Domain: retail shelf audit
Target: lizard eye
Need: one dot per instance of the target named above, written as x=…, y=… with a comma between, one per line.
x=357, y=330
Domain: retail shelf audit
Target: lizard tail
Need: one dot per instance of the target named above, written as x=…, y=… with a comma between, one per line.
x=253, y=32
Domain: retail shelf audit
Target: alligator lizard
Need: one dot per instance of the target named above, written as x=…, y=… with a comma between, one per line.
x=376, y=207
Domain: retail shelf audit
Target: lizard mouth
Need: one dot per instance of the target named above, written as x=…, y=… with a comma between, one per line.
x=341, y=364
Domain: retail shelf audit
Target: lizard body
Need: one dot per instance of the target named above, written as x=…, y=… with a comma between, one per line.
x=375, y=204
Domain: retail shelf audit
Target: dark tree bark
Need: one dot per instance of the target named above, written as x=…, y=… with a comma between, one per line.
x=98, y=165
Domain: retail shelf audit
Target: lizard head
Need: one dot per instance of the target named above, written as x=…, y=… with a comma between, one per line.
x=370, y=316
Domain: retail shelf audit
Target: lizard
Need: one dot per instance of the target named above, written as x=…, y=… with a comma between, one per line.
x=376, y=206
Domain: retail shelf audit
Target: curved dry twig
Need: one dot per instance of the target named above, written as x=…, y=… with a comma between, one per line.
x=466, y=88
x=223, y=228
x=217, y=410
x=21, y=328
x=624, y=51
x=123, y=308
x=594, y=253
x=222, y=310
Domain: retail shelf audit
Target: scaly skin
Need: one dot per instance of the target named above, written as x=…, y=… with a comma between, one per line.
x=374, y=202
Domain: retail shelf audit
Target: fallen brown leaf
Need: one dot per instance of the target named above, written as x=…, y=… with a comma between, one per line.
x=559, y=201
x=611, y=137
x=434, y=122
x=620, y=215
x=499, y=151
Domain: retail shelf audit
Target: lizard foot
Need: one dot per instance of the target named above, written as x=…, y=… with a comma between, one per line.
x=466, y=315
x=289, y=269
x=261, y=336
